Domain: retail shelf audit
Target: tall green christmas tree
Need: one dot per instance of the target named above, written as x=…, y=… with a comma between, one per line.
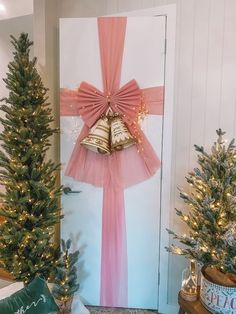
x=211, y=215
x=30, y=202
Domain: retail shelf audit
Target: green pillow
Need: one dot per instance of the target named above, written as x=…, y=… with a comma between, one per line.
x=35, y=298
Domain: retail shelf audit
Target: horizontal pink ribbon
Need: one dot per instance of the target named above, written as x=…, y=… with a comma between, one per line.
x=121, y=169
x=153, y=98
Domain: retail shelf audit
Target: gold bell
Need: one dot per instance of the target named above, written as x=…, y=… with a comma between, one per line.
x=98, y=139
x=120, y=135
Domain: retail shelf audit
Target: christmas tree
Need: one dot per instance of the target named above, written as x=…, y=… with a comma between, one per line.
x=66, y=275
x=211, y=203
x=30, y=201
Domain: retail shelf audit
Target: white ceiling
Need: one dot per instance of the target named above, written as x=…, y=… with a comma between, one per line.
x=14, y=8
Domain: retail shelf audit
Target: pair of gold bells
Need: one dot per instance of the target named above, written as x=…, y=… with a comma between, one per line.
x=108, y=134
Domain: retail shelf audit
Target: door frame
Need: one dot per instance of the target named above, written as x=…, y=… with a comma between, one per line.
x=169, y=11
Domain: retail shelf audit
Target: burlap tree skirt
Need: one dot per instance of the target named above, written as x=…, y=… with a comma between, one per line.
x=65, y=307
x=218, y=277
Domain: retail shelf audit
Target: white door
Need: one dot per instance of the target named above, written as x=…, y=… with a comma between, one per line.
x=143, y=60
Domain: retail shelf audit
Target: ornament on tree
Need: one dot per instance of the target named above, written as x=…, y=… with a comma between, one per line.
x=230, y=235
x=65, y=283
x=30, y=201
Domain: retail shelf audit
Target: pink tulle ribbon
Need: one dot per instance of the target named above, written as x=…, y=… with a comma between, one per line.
x=121, y=169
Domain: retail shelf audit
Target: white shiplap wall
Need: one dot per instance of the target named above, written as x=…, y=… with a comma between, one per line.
x=205, y=82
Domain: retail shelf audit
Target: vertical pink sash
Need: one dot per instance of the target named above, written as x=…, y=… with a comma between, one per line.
x=114, y=285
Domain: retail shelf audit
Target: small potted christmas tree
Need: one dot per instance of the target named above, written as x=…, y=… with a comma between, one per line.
x=211, y=218
x=30, y=203
x=65, y=284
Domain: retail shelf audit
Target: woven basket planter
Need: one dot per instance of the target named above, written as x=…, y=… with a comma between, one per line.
x=65, y=307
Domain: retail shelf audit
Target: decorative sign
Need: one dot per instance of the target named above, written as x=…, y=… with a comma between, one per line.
x=218, y=299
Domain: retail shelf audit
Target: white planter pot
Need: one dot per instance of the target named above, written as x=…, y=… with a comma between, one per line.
x=216, y=298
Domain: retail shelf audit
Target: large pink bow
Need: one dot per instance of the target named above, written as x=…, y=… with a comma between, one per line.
x=126, y=101
x=121, y=169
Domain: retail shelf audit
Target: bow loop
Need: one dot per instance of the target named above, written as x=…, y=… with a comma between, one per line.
x=127, y=101
x=92, y=103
